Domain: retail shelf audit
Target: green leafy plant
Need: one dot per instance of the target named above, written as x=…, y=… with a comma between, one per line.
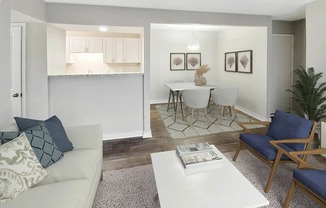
x=308, y=95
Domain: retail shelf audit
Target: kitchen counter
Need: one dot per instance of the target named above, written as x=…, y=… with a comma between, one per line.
x=94, y=75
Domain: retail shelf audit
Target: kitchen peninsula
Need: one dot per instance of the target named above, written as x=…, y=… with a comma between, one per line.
x=97, y=77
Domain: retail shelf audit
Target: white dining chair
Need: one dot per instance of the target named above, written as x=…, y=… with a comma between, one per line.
x=226, y=97
x=196, y=99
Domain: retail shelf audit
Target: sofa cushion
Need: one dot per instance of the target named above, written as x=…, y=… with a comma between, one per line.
x=55, y=128
x=315, y=180
x=289, y=126
x=77, y=164
x=68, y=194
x=19, y=168
x=41, y=141
x=261, y=144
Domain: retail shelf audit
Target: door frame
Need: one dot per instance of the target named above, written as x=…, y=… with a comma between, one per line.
x=23, y=66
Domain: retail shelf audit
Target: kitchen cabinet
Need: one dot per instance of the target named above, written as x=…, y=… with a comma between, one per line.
x=85, y=45
x=122, y=50
x=69, y=59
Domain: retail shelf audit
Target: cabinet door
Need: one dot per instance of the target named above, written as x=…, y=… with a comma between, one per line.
x=113, y=50
x=119, y=50
x=77, y=45
x=94, y=45
x=69, y=59
x=132, y=50
x=108, y=44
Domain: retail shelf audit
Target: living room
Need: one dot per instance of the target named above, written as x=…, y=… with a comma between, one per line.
x=43, y=101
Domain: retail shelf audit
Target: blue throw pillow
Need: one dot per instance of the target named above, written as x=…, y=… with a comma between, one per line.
x=289, y=126
x=41, y=141
x=55, y=128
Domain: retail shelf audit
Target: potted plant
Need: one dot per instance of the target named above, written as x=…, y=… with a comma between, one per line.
x=308, y=94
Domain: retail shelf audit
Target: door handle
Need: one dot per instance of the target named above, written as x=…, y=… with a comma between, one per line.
x=16, y=95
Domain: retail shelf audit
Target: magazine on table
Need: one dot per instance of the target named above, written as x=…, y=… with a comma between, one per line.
x=193, y=148
x=200, y=159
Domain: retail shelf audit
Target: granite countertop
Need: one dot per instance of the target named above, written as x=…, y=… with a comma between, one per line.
x=95, y=75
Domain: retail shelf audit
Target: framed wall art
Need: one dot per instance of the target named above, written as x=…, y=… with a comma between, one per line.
x=230, y=62
x=193, y=61
x=244, y=61
x=177, y=61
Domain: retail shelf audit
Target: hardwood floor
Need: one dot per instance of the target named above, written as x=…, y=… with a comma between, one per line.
x=125, y=153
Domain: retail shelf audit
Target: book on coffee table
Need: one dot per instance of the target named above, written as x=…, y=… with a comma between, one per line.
x=193, y=148
x=201, y=161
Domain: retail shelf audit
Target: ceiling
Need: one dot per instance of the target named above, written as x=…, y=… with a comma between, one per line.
x=288, y=10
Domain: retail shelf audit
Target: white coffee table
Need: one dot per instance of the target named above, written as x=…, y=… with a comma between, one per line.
x=223, y=187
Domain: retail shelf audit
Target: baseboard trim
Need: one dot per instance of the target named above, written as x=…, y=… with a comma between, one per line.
x=249, y=112
x=122, y=135
x=161, y=101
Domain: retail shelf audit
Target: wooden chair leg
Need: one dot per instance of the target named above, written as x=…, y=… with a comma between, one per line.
x=235, y=114
x=289, y=196
x=272, y=174
x=230, y=111
x=223, y=111
x=192, y=116
x=237, y=151
x=206, y=116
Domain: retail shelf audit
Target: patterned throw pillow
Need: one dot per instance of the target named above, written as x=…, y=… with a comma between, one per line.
x=41, y=141
x=55, y=128
x=19, y=168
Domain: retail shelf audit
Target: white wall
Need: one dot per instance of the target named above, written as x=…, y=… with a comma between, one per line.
x=316, y=33
x=56, y=49
x=36, y=71
x=164, y=42
x=252, y=87
x=113, y=101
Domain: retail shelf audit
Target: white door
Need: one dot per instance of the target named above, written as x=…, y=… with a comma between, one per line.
x=281, y=72
x=16, y=70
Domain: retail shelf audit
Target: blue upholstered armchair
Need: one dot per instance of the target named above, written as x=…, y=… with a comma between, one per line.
x=312, y=182
x=286, y=133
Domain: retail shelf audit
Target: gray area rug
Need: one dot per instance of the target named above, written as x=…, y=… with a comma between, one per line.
x=216, y=122
x=136, y=188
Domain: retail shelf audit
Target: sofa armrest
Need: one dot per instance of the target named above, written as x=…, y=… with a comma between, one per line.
x=85, y=137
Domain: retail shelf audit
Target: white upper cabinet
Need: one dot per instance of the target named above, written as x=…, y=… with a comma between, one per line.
x=86, y=45
x=132, y=50
x=122, y=50
x=69, y=59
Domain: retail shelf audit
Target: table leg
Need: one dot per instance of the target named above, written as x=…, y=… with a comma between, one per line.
x=176, y=106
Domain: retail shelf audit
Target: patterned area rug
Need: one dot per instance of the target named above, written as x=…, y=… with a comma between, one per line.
x=136, y=188
x=216, y=122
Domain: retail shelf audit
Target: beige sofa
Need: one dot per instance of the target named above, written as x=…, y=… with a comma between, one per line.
x=72, y=181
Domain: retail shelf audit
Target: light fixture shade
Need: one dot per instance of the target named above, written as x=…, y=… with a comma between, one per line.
x=193, y=44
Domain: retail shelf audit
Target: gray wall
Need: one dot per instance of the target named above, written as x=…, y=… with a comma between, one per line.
x=115, y=16
x=5, y=109
x=95, y=15
x=282, y=27
x=36, y=9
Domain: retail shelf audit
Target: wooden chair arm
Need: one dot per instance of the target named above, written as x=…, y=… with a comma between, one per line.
x=242, y=124
x=302, y=163
x=310, y=152
x=294, y=140
x=288, y=154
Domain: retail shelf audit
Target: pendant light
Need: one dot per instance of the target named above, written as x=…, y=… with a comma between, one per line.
x=193, y=44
